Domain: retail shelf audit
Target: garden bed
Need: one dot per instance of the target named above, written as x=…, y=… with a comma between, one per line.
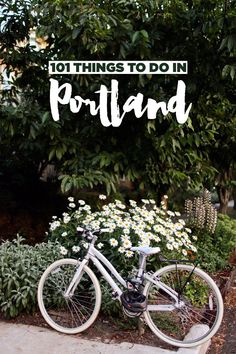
x=112, y=330
x=24, y=264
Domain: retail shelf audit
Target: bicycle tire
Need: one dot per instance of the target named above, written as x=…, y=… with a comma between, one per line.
x=210, y=314
x=74, y=314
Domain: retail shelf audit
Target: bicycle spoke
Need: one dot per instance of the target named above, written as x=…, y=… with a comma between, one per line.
x=78, y=312
x=83, y=306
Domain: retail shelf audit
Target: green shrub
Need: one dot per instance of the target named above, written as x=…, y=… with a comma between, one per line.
x=214, y=249
x=109, y=307
x=20, y=269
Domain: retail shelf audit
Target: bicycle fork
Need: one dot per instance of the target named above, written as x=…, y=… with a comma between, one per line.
x=75, y=280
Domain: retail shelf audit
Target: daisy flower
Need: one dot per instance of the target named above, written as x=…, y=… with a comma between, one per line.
x=113, y=242
x=169, y=246
x=76, y=249
x=129, y=254
x=63, y=250
x=102, y=197
x=184, y=252
x=127, y=243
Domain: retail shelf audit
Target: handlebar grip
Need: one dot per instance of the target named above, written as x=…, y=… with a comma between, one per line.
x=95, y=232
x=105, y=230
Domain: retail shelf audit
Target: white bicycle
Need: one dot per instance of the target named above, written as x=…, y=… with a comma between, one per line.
x=172, y=300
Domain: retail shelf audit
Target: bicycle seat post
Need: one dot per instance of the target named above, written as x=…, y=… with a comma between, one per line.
x=142, y=266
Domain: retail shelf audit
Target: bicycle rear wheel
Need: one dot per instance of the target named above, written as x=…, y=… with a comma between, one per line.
x=199, y=302
x=75, y=313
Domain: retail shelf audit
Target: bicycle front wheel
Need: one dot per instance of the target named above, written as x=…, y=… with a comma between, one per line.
x=179, y=299
x=76, y=312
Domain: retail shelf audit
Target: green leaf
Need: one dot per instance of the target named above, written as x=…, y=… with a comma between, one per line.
x=51, y=154
x=151, y=126
x=11, y=129
x=226, y=70
x=232, y=72
x=108, y=188
x=64, y=182
x=175, y=144
x=45, y=117
x=32, y=132
x=75, y=33
x=231, y=42
x=135, y=36
x=223, y=43
x=141, y=80
x=59, y=153
x=163, y=143
x=116, y=167
x=122, y=52
x=144, y=34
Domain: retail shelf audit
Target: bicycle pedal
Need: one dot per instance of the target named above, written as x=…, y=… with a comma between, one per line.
x=114, y=295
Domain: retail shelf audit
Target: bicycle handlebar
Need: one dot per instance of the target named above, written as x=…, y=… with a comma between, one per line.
x=91, y=233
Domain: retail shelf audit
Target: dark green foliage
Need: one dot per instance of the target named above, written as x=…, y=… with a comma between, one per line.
x=156, y=154
x=214, y=249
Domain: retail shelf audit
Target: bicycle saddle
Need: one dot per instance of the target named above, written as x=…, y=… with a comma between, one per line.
x=146, y=250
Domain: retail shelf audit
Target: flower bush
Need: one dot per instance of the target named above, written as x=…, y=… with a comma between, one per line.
x=132, y=225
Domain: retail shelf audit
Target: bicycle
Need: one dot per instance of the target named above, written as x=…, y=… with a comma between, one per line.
x=171, y=300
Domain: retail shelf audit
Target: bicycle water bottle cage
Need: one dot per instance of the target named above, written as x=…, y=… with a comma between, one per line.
x=134, y=301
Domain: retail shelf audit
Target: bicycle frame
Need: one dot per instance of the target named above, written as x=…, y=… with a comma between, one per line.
x=99, y=260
